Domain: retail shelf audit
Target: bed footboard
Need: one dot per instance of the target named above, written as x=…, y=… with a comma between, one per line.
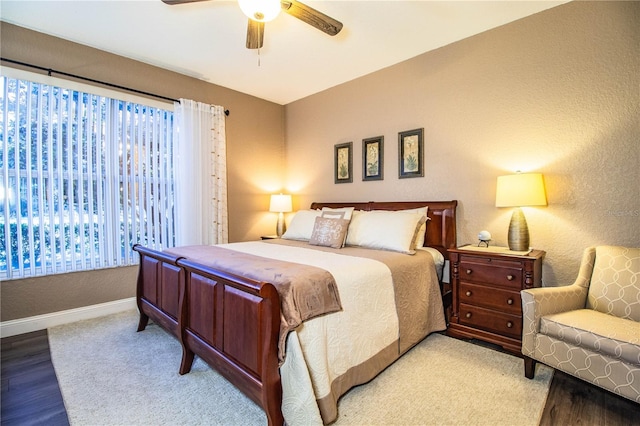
x=231, y=322
x=160, y=280
x=238, y=337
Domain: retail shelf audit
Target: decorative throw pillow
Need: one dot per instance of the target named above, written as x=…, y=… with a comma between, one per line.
x=341, y=213
x=329, y=232
x=301, y=225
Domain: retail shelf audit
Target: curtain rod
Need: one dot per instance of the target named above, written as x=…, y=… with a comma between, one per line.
x=50, y=71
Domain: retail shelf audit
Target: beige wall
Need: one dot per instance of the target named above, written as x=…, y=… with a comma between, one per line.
x=557, y=93
x=255, y=138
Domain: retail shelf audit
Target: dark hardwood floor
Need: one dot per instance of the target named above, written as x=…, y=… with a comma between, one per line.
x=31, y=396
x=573, y=402
x=30, y=392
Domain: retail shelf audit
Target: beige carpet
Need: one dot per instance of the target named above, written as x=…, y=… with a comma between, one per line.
x=111, y=375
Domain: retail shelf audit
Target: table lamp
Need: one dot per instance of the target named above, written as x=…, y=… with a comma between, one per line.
x=521, y=189
x=280, y=204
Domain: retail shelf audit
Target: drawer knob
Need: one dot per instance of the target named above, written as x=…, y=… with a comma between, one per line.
x=510, y=302
x=469, y=271
x=468, y=293
x=510, y=277
x=509, y=324
x=468, y=315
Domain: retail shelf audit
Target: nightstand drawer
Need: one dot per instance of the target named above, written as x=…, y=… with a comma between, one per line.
x=498, y=322
x=490, y=297
x=488, y=270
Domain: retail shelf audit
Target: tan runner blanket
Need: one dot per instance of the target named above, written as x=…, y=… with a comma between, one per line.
x=305, y=291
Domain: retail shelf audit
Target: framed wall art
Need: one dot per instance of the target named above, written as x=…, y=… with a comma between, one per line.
x=373, y=158
x=411, y=154
x=343, y=156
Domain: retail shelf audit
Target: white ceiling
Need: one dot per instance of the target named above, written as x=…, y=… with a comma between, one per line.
x=206, y=40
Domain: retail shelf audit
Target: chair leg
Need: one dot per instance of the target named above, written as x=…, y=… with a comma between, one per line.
x=529, y=367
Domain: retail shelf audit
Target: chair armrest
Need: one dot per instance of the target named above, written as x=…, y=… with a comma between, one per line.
x=538, y=302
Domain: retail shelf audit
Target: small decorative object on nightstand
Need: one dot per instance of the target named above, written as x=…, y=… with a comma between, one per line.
x=484, y=237
x=486, y=284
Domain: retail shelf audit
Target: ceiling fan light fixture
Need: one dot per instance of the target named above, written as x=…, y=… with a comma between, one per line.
x=260, y=10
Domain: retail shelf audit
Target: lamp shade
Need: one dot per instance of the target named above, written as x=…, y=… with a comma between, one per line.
x=280, y=203
x=522, y=189
x=260, y=10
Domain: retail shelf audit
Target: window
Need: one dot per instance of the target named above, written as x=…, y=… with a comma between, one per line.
x=83, y=177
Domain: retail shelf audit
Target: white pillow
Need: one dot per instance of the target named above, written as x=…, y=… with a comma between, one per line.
x=423, y=229
x=301, y=225
x=341, y=213
x=385, y=230
x=420, y=210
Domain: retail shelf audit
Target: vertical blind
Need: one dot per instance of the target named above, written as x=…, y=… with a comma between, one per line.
x=83, y=178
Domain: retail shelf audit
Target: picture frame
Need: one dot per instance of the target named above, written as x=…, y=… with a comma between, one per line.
x=411, y=153
x=343, y=162
x=373, y=158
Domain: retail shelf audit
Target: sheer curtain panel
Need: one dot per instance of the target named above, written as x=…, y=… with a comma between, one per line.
x=201, y=184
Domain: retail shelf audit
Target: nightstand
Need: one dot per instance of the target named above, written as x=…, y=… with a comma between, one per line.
x=486, y=284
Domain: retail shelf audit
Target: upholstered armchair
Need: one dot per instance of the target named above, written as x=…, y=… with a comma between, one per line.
x=590, y=329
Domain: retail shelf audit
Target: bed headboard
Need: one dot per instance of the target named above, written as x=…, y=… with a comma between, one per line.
x=441, y=228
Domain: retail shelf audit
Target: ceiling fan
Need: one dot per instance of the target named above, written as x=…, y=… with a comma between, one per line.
x=261, y=11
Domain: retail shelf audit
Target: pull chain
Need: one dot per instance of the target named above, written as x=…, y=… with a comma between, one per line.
x=261, y=37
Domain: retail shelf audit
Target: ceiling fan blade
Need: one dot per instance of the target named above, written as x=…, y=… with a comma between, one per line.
x=312, y=17
x=173, y=2
x=255, y=34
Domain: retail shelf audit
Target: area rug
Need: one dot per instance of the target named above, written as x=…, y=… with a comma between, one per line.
x=111, y=375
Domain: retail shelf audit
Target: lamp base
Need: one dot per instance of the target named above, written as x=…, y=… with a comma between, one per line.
x=518, y=231
x=280, y=227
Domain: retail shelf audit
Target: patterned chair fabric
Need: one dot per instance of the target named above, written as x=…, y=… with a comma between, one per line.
x=590, y=329
x=615, y=286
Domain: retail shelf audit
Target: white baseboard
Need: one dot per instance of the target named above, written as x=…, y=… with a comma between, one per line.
x=41, y=322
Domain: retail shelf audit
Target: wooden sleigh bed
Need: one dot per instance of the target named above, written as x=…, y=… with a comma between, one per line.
x=233, y=322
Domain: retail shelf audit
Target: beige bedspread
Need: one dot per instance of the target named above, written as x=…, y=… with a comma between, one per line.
x=390, y=302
